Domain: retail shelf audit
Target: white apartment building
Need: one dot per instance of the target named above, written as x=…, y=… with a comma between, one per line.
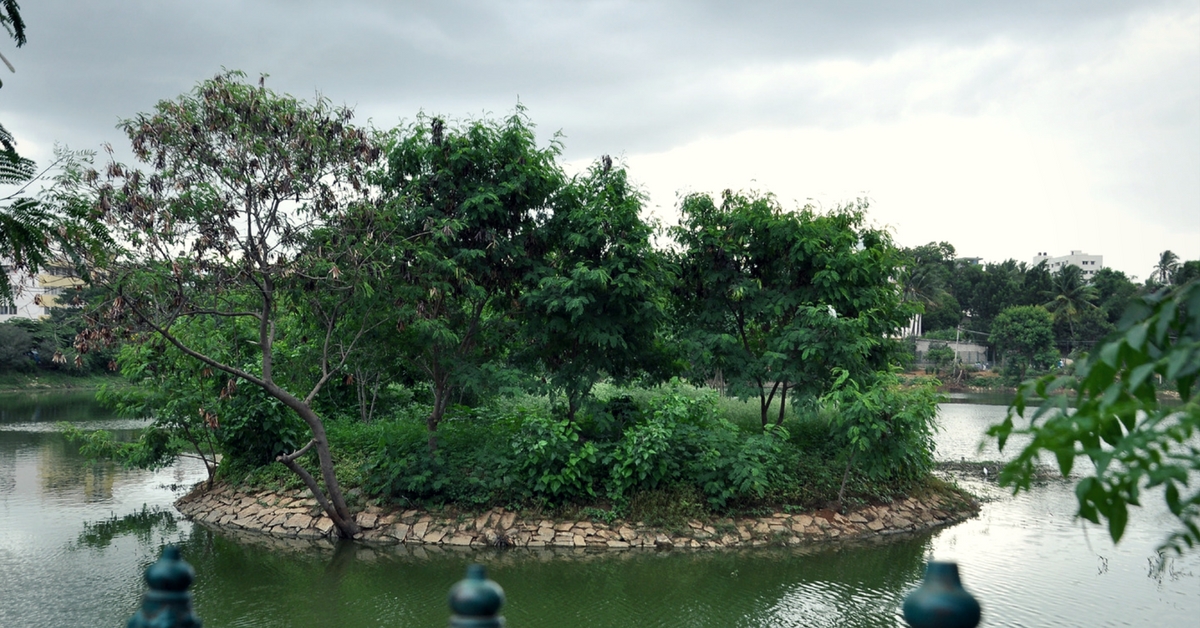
x=34, y=295
x=1089, y=264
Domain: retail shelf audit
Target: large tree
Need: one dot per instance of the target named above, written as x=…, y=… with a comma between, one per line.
x=220, y=232
x=777, y=299
x=1186, y=272
x=926, y=280
x=1114, y=291
x=593, y=304
x=1025, y=334
x=1164, y=269
x=477, y=189
x=1069, y=298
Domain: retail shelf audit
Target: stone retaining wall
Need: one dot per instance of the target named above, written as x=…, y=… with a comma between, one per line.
x=297, y=515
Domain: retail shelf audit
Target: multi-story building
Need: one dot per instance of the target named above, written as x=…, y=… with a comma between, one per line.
x=1089, y=264
x=34, y=295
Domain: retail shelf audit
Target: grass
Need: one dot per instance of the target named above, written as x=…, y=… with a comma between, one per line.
x=13, y=381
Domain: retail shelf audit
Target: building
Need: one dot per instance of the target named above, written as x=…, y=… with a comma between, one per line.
x=1089, y=264
x=34, y=295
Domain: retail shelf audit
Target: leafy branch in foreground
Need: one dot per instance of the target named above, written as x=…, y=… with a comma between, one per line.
x=1110, y=412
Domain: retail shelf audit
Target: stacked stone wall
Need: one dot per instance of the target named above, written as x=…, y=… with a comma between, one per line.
x=295, y=514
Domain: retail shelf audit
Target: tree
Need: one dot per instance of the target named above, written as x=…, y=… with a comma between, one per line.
x=477, y=190
x=1186, y=272
x=10, y=18
x=1038, y=281
x=218, y=234
x=997, y=288
x=940, y=355
x=1168, y=263
x=1069, y=297
x=1110, y=412
x=883, y=429
x=1025, y=334
x=925, y=280
x=1114, y=291
x=778, y=299
x=593, y=305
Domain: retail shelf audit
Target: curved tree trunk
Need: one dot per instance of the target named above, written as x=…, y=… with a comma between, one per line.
x=331, y=499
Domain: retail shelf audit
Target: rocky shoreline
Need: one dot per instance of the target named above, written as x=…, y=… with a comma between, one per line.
x=296, y=515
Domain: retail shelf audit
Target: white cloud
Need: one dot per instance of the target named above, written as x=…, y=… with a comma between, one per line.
x=1003, y=149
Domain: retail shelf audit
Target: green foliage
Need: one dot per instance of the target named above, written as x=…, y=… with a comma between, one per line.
x=473, y=463
x=926, y=279
x=1024, y=335
x=1070, y=300
x=139, y=524
x=16, y=343
x=1164, y=270
x=49, y=227
x=593, y=305
x=944, y=313
x=1114, y=291
x=675, y=443
x=472, y=193
x=940, y=355
x=885, y=431
x=774, y=298
x=943, y=334
x=988, y=290
x=256, y=428
x=1110, y=412
x=551, y=460
x=154, y=448
x=1188, y=271
x=222, y=237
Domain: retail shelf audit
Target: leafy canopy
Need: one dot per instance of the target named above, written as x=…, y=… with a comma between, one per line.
x=774, y=297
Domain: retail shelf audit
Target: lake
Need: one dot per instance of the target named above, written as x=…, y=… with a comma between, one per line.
x=74, y=538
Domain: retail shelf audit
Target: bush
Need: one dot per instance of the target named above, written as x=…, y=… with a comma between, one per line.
x=629, y=453
x=15, y=345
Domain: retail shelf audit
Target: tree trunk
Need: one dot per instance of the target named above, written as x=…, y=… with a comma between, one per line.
x=764, y=401
x=331, y=499
x=572, y=407
x=441, y=398
x=782, y=402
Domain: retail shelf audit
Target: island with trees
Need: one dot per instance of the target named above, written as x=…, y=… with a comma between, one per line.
x=436, y=333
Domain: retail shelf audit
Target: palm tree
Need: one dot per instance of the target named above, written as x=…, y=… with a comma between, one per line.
x=1069, y=296
x=1168, y=262
x=10, y=19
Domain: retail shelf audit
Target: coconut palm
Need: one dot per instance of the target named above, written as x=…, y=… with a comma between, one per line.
x=1069, y=296
x=1168, y=262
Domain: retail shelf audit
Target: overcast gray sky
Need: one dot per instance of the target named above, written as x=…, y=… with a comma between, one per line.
x=1004, y=127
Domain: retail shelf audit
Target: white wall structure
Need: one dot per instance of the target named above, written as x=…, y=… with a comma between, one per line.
x=34, y=295
x=965, y=351
x=1089, y=264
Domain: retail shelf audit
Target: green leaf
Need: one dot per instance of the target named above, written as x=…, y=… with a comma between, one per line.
x=1066, y=459
x=1118, y=516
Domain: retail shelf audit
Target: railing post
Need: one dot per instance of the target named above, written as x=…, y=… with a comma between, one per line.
x=941, y=601
x=475, y=601
x=167, y=604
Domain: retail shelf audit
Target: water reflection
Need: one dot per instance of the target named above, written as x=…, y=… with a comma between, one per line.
x=354, y=585
x=142, y=525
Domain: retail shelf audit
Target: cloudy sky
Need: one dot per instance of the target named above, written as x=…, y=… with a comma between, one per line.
x=1004, y=127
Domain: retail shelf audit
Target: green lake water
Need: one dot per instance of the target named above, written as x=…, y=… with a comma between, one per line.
x=74, y=538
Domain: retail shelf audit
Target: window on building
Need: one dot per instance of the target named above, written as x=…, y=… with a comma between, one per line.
x=7, y=310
